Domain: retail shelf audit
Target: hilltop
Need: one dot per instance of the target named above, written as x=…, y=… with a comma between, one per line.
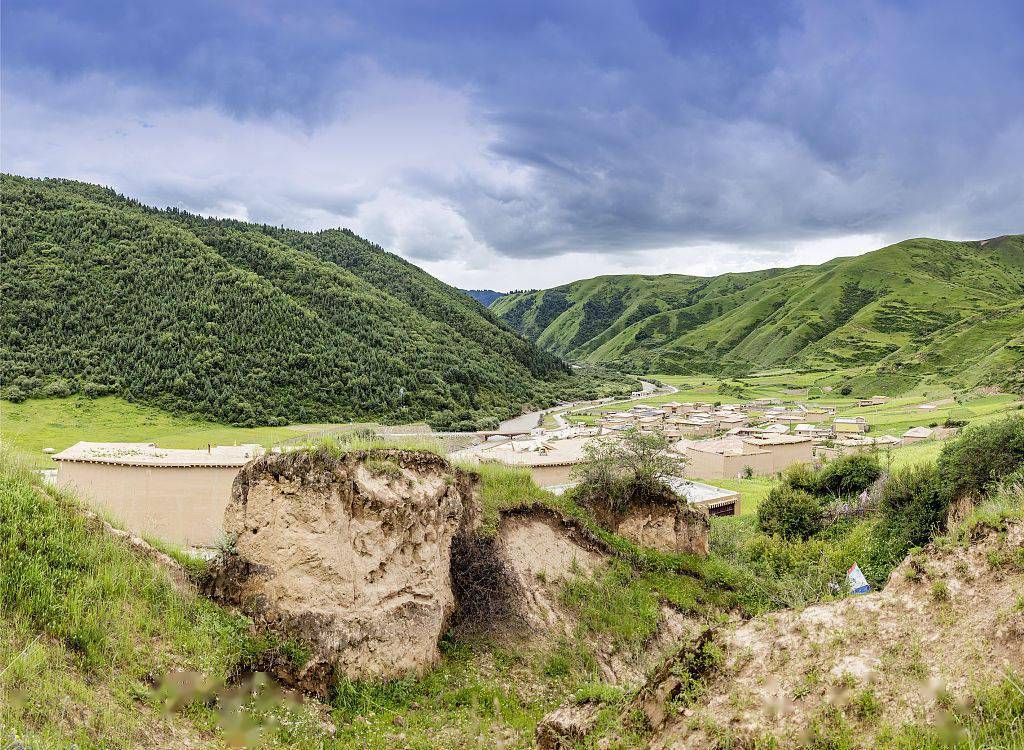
x=245, y=323
x=918, y=307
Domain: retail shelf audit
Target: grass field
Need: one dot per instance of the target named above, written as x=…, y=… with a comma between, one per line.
x=57, y=423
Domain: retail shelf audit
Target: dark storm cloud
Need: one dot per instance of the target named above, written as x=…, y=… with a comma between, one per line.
x=635, y=125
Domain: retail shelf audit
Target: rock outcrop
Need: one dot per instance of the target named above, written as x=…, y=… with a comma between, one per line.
x=349, y=554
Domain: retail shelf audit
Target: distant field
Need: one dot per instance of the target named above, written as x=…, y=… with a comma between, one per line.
x=893, y=418
x=57, y=423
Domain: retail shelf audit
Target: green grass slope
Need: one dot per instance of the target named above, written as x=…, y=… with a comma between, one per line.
x=921, y=305
x=244, y=323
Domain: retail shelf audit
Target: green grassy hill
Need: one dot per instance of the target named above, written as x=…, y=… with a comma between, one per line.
x=245, y=323
x=920, y=306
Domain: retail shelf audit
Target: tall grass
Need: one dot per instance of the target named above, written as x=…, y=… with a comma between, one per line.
x=111, y=609
x=367, y=441
x=86, y=625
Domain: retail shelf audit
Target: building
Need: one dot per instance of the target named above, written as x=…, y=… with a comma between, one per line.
x=917, y=434
x=812, y=431
x=550, y=462
x=817, y=414
x=734, y=456
x=845, y=445
x=717, y=501
x=850, y=424
x=175, y=495
x=873, y=401
x=695, y=426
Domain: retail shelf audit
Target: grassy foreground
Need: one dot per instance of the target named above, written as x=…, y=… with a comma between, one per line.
x=88, y=631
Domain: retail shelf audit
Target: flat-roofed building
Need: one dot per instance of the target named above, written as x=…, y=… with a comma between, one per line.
x=873, y=401
x=715, y=500
x=844, y=445
x=812, y=431
x=732, y=456
x=917, y=434
x=696, y=427
x=550, y=462
x=850, y=424
x=175, y=495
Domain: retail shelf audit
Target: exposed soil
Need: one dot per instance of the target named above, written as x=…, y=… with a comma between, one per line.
x=948, y=621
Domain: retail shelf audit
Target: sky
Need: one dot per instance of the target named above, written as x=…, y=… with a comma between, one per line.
x=514, y=145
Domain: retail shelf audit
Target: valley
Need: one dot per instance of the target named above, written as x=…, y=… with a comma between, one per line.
x=262, y=488
x=917, y=310
x=630, y=375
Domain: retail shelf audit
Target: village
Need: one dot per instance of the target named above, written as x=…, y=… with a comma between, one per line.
x=179, y=495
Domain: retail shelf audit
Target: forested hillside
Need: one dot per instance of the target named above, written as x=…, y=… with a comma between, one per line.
x=485, y=297
x=245, y=323
x=918, y=307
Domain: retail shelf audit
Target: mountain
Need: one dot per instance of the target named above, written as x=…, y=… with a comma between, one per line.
x=917, y=307
x=245, y=323
x=485, y=297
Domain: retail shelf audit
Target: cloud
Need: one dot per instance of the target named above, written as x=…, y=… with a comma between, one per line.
x=538, y=141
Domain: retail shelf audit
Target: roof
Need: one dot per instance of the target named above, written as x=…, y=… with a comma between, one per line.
x=864, y=440
x=529, y=453
x=775, y=439
x=921, y=432
x=849, y=420
x=729, y=444
x=148, y=454
x=703, y=494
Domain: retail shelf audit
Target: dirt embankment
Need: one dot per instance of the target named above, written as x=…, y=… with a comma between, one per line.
x=542, y=551
x=349, y=555
x=657, y=519
x=949, y=620
x=366, y=559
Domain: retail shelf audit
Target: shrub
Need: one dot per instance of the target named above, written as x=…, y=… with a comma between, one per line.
x=801, y=477
x=15, y=394
x=790, y=513
x=617, y=473
x=981, y=456
x=848, y=474
x=911, y=508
